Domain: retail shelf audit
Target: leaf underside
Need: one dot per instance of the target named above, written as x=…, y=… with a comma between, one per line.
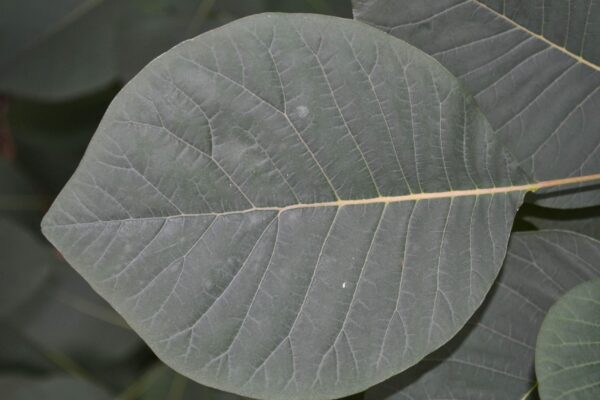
x=567, y=353
x=540, y=93
x=231, y=207
x=492, y=358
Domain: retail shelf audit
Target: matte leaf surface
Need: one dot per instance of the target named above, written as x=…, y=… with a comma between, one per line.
x=567, y=352
x=492, y=358
x=291, y=206
x=540, y=93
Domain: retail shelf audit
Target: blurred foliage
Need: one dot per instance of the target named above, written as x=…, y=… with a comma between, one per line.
x=581, y=220
x=61, y=63
x=62, y=49
x=49, y=388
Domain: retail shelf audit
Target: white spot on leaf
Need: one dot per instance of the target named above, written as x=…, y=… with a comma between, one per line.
x=302, y=111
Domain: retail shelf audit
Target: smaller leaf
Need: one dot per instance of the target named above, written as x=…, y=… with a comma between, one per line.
x=567, y=353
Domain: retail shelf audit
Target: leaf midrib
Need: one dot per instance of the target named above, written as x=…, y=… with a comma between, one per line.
x=368, y=201
x=563, y=50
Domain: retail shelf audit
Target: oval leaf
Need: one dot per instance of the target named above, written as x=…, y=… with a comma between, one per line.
x=567, y=352
x=291, y=206
x=492, y=358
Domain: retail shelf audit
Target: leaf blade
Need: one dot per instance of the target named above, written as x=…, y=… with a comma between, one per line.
x=566, y=358
x=234, y=178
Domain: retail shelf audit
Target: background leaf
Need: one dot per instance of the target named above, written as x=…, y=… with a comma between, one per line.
x=161, y=382
x=492, y=358
x=14, y=387
x=55, y=134
x=17, y=283
x=66, y=317
x=582, y=220
x=540, y=98
x=245, y=173
x=57, y=50
x=69, y=48
x=567, y=354
x=20, y=199
x=19, y=356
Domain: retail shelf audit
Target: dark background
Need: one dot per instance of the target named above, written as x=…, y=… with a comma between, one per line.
x=61, y=63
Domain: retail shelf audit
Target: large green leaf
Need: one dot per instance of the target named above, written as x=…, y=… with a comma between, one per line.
x=540, y=97
x=291, y=206
x=15, y=387
x=567, y=352
x=492, y=358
